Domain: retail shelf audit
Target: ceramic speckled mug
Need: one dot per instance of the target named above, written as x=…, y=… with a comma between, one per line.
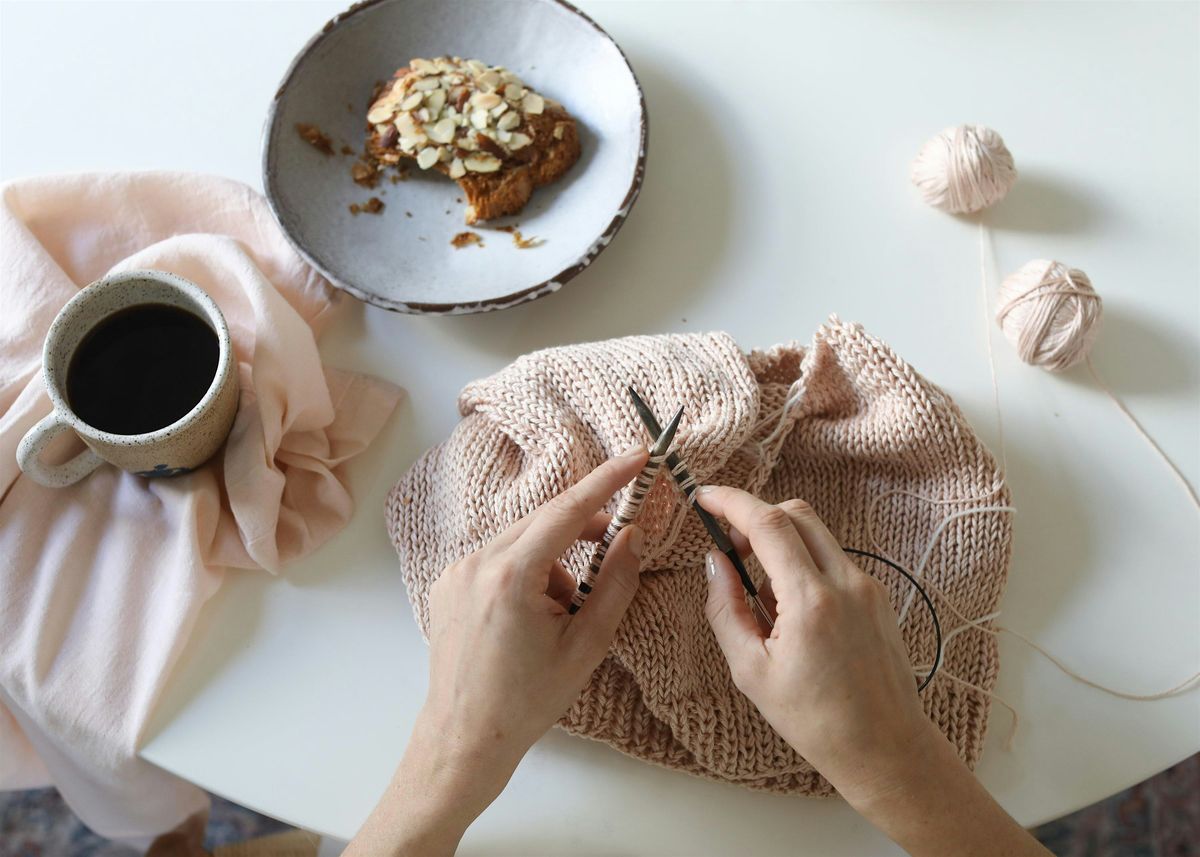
x=179, y=447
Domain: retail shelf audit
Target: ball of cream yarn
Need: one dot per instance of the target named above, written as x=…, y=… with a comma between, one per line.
x=1050, y=313
x=964, y=169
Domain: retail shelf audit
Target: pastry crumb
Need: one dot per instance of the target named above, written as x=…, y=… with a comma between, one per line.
x=365, y=174
x=524, y=243
x=313, y=135
x=374, y=205
x=466, y=239
x=346, y=150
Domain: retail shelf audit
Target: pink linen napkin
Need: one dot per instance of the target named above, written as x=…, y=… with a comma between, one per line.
x=101, y=582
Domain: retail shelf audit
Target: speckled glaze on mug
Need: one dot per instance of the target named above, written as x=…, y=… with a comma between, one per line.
x=177, y=448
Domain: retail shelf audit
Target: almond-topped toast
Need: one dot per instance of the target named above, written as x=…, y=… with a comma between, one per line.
x=478, y=124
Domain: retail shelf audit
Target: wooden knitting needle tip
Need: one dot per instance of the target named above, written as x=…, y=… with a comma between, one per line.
x=627, y=510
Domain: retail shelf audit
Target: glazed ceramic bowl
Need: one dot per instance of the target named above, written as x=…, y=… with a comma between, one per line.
x=403, y=258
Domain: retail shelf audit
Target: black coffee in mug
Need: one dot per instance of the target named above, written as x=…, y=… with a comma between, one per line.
x=142, y=368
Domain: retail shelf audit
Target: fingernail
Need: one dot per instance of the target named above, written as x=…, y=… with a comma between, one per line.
x=633, y=452
x=705, y=489
x=710, y=565
x=637, y=541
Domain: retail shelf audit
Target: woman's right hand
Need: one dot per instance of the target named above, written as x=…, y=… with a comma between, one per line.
x=834, y=680
x=833, y=677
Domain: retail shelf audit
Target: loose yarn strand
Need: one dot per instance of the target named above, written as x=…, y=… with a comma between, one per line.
x=1191, y=492
x=1016, y=718
x=987, y=332
x=1182, y=687
x=980, y=624
x=919, y=569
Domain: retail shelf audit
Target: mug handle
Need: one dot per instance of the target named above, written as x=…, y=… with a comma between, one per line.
x=58, y=475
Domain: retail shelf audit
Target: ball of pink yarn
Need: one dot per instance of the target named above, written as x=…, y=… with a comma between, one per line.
x=964, y=169
x=1050, y=313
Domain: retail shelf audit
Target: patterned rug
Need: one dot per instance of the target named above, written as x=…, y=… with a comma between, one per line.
x=1157, y=818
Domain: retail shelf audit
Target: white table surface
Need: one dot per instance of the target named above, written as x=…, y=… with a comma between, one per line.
x=776, y=193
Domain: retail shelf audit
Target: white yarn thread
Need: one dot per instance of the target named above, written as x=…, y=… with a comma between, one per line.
x=979, y=623
x=963, y=169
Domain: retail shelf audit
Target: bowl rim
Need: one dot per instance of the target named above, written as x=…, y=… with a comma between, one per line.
x=545, y=287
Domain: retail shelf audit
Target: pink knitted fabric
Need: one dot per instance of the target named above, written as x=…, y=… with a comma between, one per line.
x=859, y=422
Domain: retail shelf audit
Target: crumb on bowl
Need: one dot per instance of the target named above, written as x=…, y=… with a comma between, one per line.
x=313, y=135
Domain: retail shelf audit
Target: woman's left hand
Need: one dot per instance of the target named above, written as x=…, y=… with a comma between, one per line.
x=506, y=661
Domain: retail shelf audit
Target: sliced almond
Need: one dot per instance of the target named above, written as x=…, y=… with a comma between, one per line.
x=509, y=121
x=422, y=115
x=406, y=126
x=467, y=144
x=444, y=154
x=514, y=92
x=381, y=113
x=486, y=100
x=423, y=67
x=408, y=144
x=413, y=101
x=482, y=163
x=503, y=136
x=559, y=130
x=444, y=64
x=499, y=109
x=427, y=84
x=427, y=157
x=479, y=118
x=533, y=103
x=476, y=67
x=442, y=131
x=435, y=101
x=510, y=77
x=457, y=170
x=519, y=140
x=488, y=81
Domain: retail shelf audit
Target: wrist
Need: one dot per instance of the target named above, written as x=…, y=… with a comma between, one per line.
x=876, y=779
x=439, y=788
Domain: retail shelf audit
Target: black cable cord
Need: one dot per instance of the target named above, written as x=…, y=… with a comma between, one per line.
x=937, y=626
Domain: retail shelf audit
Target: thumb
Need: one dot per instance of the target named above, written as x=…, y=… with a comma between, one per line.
x=616, y=584
x=732, y=621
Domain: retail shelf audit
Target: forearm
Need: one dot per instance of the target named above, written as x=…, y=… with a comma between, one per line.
x=935, y=807
x=439, y=788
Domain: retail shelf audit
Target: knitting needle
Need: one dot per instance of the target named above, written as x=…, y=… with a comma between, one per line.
x=687, y=484
x=628, y=508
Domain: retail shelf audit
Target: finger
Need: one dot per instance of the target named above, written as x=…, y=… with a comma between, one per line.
x=557, y=525
x=740, y=543
x=617, y=582
x=731, y=618
x=821, y=544
x=594, y=529
x=561, y=585
x=770, y=532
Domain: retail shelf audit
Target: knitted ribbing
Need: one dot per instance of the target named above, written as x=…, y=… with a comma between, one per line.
x=859, y=422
